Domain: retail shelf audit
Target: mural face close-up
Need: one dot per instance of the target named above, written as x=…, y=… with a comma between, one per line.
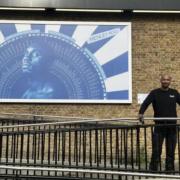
x=65, y=62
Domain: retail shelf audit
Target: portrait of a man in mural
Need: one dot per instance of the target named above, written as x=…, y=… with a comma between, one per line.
x=35, y=64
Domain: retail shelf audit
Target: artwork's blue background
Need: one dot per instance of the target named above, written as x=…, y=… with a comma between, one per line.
x=73, y=72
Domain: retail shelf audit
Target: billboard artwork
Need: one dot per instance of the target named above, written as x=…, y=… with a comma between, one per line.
x=70, y=62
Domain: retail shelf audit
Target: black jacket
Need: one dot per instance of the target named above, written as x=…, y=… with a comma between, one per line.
x=163, y=102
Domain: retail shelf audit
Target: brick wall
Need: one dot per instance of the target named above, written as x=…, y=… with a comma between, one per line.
x=155, y=50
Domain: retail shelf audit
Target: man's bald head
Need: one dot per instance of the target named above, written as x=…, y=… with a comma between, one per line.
x=165, y=81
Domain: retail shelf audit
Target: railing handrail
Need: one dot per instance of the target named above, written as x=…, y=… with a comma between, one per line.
x=136, y=123
x=47, y=116
x=56, y=123
x=91, y=118
x=91, y=171
x=78, y=120
x=130, y=119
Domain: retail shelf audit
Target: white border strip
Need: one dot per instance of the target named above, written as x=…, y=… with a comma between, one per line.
x=91, y=171
x=65, y=22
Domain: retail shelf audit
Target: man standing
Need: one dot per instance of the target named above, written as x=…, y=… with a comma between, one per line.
x=164, y=100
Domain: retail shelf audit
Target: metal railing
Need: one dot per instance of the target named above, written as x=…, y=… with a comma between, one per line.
x=107, y=145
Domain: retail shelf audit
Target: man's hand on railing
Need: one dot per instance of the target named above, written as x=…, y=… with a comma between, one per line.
x=141, y=118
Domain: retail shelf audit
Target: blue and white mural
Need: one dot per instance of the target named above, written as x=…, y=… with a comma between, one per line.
x=65, y=62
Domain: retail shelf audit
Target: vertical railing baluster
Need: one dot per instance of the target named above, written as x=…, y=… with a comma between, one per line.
x=59, y=144
x=125, y=148
x=105, y=148
x=132, y=148
x=80, y=145
x=28, y=148
x=138, y=148
x=1, y=146
x=117, y=147
x=35, y=149
x=55, y=150
x=70, y=151
x=145, y=148
x=178, y=141
x=121, y=147
x=49, y=149
x=43, y=142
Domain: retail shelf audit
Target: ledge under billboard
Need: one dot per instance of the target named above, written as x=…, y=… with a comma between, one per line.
x=65, y=62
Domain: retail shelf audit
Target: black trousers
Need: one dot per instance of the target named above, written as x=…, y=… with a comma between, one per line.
x=161, y=132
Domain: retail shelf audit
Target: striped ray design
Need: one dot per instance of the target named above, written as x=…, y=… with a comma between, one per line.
x=68, y=29
x=117, y=86
x=99, y=37
x=7, y=29
x=113, y=56
x=38, y=27
x=2, y=38
x=22, y=27
x=52, y=27
x=113, y=48
x=82, y=34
